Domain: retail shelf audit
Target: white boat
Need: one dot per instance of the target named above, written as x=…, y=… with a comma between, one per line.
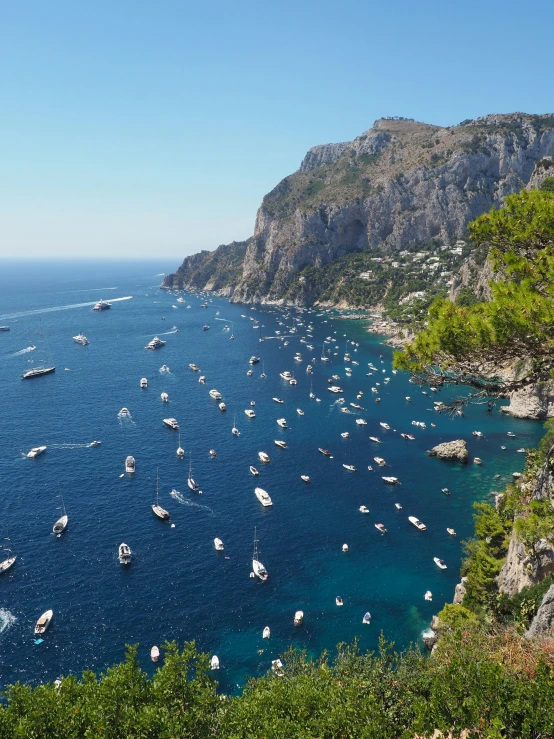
x=345, y=547
x=156, y=343
x=282, y=423
x=305, y=478
x=398, y=506
x=384, y=425
x=124, y=412
x=180, y=451
x=194, y=367
x=250, y=413
x=95, y=443
x=215, y=394
x=130, y=464
x=300, y=411
x=164, y=368
x=61, y=524
x=257, y=567
x=391, y=480
x=6, y=564
x=285, y=375
x=263, y=457
x=381, y=527
x=278, y=400
x=156, y=507
x=44, y=622
x=250, y=373
x=81, y=339
x=510, y=433
x=408, y=398
x=428, y=595
x=440, y=563
x=335, y=389
x=254, y=471
x=339, y=601
x=350, y=467
x=361, y=422
x=298, y=618
x=124, y=554
x=164, y=397
x=363, y=509
x=477, y=460
x=218, y=544
x=144, y=382
x=345, y=435
x=171, y=423
x=281, y=444
x=102, y=305
x=235, y=430
x=252, y=403
x=254, y=360
x=266, y=633
x=155, y=652
x=212, y=453
x=222, y=406
x=367, y=618
x=380, y=461
x=417, y=523
x=277, y=667
x=376, y=439
x=214, y=662
x=36, y=451
x=451, y=532
x=202, y=379
x=191, y=482
x=263, y=497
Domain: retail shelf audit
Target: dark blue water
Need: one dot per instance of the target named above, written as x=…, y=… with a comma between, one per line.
x=178, y=586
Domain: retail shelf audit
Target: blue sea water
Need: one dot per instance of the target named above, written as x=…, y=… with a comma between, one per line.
x=178, y=587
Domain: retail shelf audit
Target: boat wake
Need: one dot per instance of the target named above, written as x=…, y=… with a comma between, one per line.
x=7, y=620
x=180, y=498
x=23, y=351
x=166, y=333
x=53, y=309
x=125, y=419
x=69, y=446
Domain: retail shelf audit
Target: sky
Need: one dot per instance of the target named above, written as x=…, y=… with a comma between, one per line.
x=137, y=129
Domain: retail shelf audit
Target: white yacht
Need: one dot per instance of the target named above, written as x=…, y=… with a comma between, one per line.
x=144, y=383
x=156, y=343
x=417, y=523
x=451, y=532
x=345, y=435
x=440, y=563
x=60, y=525
x=375, y=439
x=391, y=480
x=6, y=564
x=254, y=471
x=361, y=422
x=263, y=457
x=191, y=482
x=222, y=406
x=235, y=430
x=212, y=453
x=215, y=395
x=364, y=509
x=350, y=467
x=345, y=547
x=282, y=423
x=214, y=662
x=180, y=451
x=305, y=478
x=257, y=567
x=367, y=618
x=384, y=425
x=124, y=554
x=254, y=360
x=263, y=497
x=164, y=397
x=218, y=544
x=250, y=413
x=171, y=423
x=300, y=411
x=44, y=621
x=102, y=305
x=428, y=595
x=81, y=339
x=335, y=389
x=281, y=444
x=130, y=464
x=194, y=367
x=286, y=375
x=266, y=633
x=156, y=507
x=202, y=380
x=36, y=451
x=380, y=461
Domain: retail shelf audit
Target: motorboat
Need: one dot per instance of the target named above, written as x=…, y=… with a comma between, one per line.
x=266, y=633
x=367, y=618
x=381, y=527
x=408, y=398
x=298, y=618
x=380, y=461
x=350, y=467
x=477, y=433
x=277, y=667
x=370, y=468
x=164, y=368
x=376, y=439
x=417, y=523
x=278, y=400
x=6, y=564
x=212, y=453
x=102, y=305
x=398, y=506
x=194, y=367
x=285, y=375
x=446, y=491
x=309, y=369
x=124, y=554
x=477, y=460
x=356, y=406
x=218, y=544
x=254, y=471
x=155, y=652
x=222, y=406
x=325, y=452
x=510, y=433
x=300, y=411
x=292, y=381
x=257, y=567
x=164, y=397
x=361, y=422
x=451, y=532
x=428, y=595
x=250, y=373
x=95, y=443
x=305, y=478
x=81, y=339
x=214, y=662
x=440, y=563
x=130, y=464
x=202, y=380
x=156, y=343
x=36, y=451
x=335, y=389
x=391, y=480
x=345, y=435
x=205, y=327
x=384, y=425
x=215, y=395
x=156, y=507
x=250, y=413
x=363, y=509
x=254, y=360
x=263, y=497
x=281, y=444
x=4, y=328
x=339, y=601
x=346, y=410
x=282, y=423
x=124, y=412
x=44, y=622
x=521, y=451
x=263, y=457
x=171, y=423
x=252, y=403
x=144, y=383
x=191, y=482
x=345, y=547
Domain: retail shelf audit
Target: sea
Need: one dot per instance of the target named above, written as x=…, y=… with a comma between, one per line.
x=178, y=587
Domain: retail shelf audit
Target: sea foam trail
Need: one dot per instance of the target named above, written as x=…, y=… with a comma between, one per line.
x=180, y=498
x=53, y=309
x=23, y=351
x=7, y=620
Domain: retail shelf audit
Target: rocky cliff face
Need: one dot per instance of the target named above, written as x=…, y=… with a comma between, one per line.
x=543, y=622
x=534, y=401
x=398, y=184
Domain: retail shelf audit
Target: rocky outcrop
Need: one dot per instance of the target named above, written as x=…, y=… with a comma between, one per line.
x=543, y=622
x=398, y=184
x=474, y=275
x=459, y=592
x=525, y=566
x=533, y=401
x=451, y=450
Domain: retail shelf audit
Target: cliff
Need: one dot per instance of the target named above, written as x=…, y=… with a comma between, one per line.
x=399, y=184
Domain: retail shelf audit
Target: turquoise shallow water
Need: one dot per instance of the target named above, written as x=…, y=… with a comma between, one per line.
x=178, y=586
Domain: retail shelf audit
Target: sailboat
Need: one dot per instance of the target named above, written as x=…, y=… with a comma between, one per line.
x=323, y=357
x=38, y=371
x=232, y=331
x=235, y=430
x=263, y=375
x=61, y=524
x=257, y=567
x=193, y=485
x=7, y=563
x=156, y=507
x=180, y=451
x=312, y=395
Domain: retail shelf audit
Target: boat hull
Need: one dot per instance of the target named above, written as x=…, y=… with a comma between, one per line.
x=37, y=372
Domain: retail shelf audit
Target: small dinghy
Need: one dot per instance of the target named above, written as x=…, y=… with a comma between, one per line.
x=345, y=547
x=446, y=491
x=339, y=601
x=154, y=654
x=398, y=506
x=254, y=471
x=381, y=527
x=428, y=595
x=266, y=633
x=367, y=618
x=218, y=544
x=298, y=618
x=215, y=662
x=440, y=563
x=305, y=478
x=451, y=532
x=350, y=467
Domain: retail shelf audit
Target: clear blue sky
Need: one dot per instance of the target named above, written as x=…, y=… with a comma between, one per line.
x=154, y=128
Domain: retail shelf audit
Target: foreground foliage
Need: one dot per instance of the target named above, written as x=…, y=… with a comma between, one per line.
x=494, y=685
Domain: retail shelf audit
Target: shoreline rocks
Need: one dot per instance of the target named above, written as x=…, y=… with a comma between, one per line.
x=450, y=450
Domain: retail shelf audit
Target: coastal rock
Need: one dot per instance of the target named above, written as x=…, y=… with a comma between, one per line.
x=533, y=401
x=523, y=566
x=459, y=592
x=543, y=623
x=454, y=450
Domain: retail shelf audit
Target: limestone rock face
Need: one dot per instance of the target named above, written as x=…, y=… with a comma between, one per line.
x=543, y=623
x=460, y=592
x=525, y=567
x=453, y=450
x=400, y=183
x=534, y=401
